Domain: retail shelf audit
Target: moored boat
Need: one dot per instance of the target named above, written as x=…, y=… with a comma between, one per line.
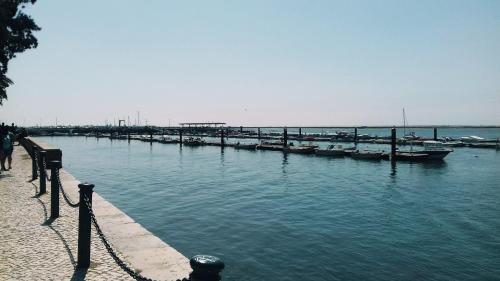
x=299, y=149
x=369, y=155
x=411, y=157
x=245, y=146
x=331, y=150
x=434, y=149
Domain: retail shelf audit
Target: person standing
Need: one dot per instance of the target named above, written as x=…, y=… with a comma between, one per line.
x=7, y=147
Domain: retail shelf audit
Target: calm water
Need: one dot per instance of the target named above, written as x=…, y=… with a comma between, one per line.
x=270, y=216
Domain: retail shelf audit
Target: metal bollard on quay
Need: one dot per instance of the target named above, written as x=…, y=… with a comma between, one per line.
x=84, y=225
x=42, y=176
x=55, y=165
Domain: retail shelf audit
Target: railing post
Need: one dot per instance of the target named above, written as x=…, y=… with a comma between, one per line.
x=55, y=165
x=41, y=168
x=34, y=173
x=84, y=224
x=205, y=268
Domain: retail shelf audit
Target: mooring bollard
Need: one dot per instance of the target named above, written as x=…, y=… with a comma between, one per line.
x=55, y=165
x=205, y=268
x=34, y=173
x=84, y=224
x=393, y=144
x=43, y=182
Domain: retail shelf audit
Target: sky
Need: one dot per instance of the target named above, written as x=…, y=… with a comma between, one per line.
x=259, y=62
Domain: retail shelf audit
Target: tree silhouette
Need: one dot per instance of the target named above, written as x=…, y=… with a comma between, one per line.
x=16, y=35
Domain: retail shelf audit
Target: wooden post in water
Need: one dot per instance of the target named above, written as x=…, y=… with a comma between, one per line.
x=151, y=136
x=128, y=135
x=222, y=137
x=355, y=135
x=300, y=132
x=180, y=136
x=435, y=134
x=241, y=129
x=258, y=133
x=393, y=144
x=285, y=137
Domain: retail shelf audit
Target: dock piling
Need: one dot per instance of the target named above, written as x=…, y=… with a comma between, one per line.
x=393, y=144
x=205, y=268
x=355, y=135
x=285, y=137
x=43, y=183
x=84, y=225
x=180, y=136
x=55, y=165
x=435, y=134
x=258, y=133
x=300, y=133
x=241, y=129
x=222, y=137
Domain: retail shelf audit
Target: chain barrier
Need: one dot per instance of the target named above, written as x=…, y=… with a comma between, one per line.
x=35, y=153
x=111, y=251
x=45, y=170
x=65, y=196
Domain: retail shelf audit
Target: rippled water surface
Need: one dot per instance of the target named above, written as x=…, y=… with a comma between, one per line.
x=272, y=216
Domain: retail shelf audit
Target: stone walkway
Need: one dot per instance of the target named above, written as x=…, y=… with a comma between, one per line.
x=32, y=247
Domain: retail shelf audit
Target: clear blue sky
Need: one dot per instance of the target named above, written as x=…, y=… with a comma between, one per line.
x=260, y=63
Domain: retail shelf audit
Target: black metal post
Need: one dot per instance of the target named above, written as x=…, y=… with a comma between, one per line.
x=205, y=268
x=150, y=136
x=258, y=133
x=435, y=134
x=84, y=224
x=285, y=137
x=355, y=135
x=241, y=129
x=55, y=165
x=34, y=172
x=180, y=136
x=42, y=176
x=128, y=135
x=393, y=144
x=300, y=132
x=222, y=137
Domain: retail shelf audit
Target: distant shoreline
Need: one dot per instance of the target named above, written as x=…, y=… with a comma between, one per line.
x=294, y=126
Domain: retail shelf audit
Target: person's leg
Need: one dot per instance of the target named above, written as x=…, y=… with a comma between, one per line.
x=9, y=157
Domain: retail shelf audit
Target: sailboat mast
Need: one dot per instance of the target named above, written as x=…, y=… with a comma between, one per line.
x=404, y=122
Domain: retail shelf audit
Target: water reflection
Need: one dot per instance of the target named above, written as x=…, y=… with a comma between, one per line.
x=284, y=163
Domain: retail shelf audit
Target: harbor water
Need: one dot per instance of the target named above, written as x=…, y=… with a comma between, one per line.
x=274, y=216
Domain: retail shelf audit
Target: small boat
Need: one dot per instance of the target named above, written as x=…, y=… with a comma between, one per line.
x=411, y=157
x=369, y=155
x=435, y=149
x=299, y=149
x=165, y=139
x=245, y=146
x=472, y=139
x=484, y=145
x=331, y=150
x=453, y=144
x=194, y=141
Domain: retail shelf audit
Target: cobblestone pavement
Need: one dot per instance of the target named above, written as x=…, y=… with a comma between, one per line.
x=32, y=247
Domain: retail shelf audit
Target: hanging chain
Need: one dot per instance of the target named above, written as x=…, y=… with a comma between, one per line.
x=45, y=169
x=123, y=265
x=65, y=196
